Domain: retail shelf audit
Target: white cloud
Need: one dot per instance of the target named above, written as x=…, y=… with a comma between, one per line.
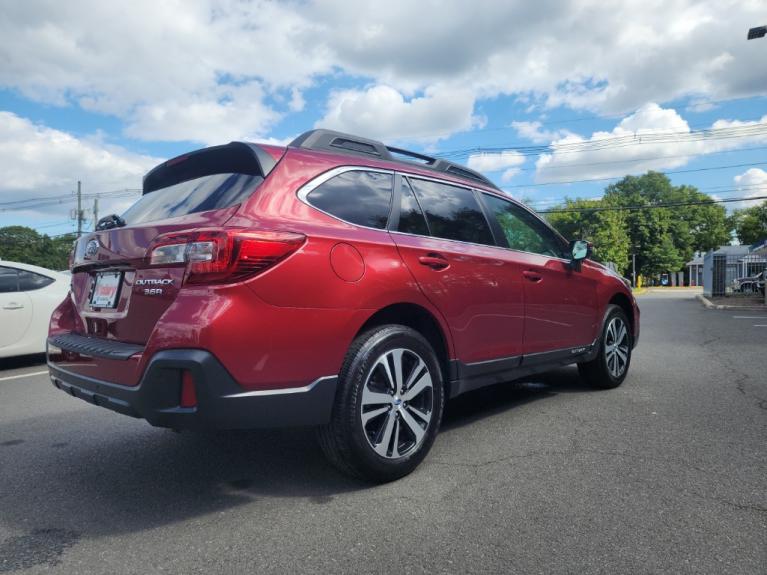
x=37, y=161
x=509, y=174
x=750, y=184
x=533, y=131
x=142, y=60
x=235, y=113
x=495, y=161
x=652, y=138
x=382, y=112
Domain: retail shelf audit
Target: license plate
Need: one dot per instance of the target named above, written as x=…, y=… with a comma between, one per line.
x=106, y=289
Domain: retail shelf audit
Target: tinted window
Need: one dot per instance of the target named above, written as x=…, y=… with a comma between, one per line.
x=197, y=195
x=522, y=230
x=411, y=220
x=362, y=198
x=9, y=280
x=29, y=281
x=452, y=212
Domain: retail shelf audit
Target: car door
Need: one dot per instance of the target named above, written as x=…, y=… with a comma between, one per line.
x=559, y=302
x=447, y=244
x=15, y=308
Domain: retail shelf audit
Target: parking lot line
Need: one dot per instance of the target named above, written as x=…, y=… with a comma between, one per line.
x=749, y=316
x=23, y=375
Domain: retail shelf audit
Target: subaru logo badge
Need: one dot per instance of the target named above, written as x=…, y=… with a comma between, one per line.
x=91, y=248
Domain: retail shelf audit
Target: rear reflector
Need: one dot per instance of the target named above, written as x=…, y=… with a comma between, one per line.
x=188, y=392
x=214, y=256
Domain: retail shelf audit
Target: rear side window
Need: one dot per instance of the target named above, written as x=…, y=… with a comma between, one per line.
x=30, y=281
x=198, y=195
x=358, y=197
x=411, y=220
x=452, y=212
x=9, y=280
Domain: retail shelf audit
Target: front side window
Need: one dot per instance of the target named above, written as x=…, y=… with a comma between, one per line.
x=523, y=232
x=9, y=280
x=356, y=196
x=452, y=212
x=30, y=281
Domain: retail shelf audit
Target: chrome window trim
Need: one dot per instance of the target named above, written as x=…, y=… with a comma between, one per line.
x=308, y=187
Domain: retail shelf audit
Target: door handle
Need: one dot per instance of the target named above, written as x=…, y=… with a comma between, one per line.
x=13, y=305
x=434, y=261
x=532, y=276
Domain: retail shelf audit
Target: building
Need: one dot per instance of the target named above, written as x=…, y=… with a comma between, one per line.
x=721, y=267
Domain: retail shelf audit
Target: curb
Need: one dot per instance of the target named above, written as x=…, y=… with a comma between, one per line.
x=709, y=305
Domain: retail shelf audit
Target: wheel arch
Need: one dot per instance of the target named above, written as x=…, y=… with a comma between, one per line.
x=421, y=320
x=623, y=302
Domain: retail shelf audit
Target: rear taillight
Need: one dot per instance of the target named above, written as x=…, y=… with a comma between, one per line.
x=213, y=256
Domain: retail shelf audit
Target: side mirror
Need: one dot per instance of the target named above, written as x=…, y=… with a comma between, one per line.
x=579, y=251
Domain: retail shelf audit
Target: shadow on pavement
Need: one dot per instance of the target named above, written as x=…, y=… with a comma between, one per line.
x=37, y=359
x=476, y=405
x=96, y=473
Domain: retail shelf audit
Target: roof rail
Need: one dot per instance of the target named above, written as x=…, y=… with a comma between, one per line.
x=338, y=142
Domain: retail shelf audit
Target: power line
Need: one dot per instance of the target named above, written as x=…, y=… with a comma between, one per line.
x=650, y=206
x=619, y=177
x=644, y=159
x=738, y=190
x=636, y=138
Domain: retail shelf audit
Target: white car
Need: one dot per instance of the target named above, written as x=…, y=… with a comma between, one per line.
x=28, y=296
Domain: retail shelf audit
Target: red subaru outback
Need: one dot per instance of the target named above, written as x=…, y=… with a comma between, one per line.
x=335, y=282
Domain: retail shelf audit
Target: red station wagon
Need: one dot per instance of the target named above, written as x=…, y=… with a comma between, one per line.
x=336, y=283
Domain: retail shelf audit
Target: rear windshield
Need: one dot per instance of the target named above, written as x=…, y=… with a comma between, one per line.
x=198, y=195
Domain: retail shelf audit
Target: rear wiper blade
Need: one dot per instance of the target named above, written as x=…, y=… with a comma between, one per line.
x=109, y=222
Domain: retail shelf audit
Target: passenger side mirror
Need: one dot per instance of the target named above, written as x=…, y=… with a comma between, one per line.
x=579, y=251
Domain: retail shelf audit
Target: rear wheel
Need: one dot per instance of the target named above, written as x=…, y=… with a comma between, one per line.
x=611, y=365
x=388, y=405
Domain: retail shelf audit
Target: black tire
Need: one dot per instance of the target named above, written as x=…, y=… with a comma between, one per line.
x=356, y=448
x=601, y=372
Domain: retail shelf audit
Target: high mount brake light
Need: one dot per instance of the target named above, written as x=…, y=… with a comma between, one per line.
x=213, y=256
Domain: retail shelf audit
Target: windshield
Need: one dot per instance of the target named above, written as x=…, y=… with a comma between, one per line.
x=198, y=195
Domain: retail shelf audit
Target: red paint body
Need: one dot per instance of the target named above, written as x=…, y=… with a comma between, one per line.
x=294, y=323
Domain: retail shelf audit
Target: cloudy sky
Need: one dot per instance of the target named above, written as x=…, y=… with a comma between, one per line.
x=549, y=98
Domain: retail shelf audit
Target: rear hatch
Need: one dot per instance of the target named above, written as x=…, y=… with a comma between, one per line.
x=124, y=277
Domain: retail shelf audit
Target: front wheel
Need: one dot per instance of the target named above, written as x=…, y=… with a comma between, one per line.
x=388, y=405
x=611, y=365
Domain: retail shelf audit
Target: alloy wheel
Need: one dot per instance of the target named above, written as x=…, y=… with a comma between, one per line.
x=616, y=347
x=397, y=403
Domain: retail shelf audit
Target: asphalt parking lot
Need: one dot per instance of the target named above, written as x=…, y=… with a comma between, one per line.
x=666, y=474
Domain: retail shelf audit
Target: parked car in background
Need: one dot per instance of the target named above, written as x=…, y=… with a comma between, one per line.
x=335, y=282
x=28, y=296
x=752, y=284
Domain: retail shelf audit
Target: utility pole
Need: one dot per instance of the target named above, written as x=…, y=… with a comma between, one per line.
x=95, y=213
x=79, y=214
x=634, y=269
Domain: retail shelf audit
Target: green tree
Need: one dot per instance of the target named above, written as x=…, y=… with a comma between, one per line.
x=663, y=238
x=25, y=245
x=750, y=224
x=605, y=229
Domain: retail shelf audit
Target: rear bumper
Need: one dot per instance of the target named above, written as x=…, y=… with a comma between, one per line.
x=221, y=402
